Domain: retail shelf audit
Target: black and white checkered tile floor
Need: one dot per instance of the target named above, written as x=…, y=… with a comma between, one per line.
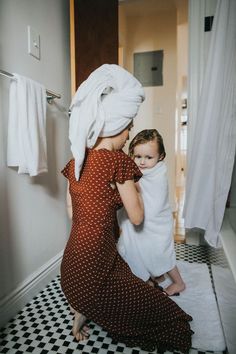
x=44, y=325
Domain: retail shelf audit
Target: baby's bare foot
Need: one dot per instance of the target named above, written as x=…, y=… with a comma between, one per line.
x=150, y=282
x=160, y=279
x=175, y=289
x=80, y=330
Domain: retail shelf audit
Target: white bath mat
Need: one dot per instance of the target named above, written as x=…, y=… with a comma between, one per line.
x=226, y=296
x=198, y=300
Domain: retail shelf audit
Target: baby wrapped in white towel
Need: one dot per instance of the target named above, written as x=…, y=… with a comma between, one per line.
x=149, y=248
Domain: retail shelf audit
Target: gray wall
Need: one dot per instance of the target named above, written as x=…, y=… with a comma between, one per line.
x=233, y=187
x=34, y=225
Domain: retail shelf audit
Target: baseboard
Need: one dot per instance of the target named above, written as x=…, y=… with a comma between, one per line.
x=11, y=304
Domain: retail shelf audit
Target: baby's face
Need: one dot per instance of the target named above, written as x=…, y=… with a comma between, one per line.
x=146, y=155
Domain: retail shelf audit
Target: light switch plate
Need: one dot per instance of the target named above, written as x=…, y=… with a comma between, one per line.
x=33, y=43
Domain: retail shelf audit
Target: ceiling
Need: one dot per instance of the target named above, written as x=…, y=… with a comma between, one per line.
x=149, y=7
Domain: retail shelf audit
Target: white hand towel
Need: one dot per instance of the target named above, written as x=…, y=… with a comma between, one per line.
x=27, y=126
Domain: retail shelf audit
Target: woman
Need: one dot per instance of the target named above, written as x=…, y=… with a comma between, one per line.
x=97, y=283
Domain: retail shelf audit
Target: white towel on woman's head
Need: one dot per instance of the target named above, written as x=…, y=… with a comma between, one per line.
x=26, y=144
x=103, y=105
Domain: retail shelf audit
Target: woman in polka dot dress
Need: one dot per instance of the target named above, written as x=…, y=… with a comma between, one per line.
x=96, y=281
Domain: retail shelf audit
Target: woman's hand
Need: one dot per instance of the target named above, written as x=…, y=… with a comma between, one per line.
x=138, y=187
x=68, y=202
x=132, y=201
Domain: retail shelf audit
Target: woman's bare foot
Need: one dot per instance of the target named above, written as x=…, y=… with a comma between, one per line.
x=72, y=310
x=174, y=289
x=80, y=330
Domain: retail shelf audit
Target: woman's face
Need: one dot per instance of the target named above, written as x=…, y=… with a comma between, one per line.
x=120, y=139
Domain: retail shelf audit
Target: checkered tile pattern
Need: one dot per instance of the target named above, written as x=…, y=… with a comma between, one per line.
x=44, y=325
x=200, y=254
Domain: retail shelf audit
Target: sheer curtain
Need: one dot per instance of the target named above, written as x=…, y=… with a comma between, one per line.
x=211, y=148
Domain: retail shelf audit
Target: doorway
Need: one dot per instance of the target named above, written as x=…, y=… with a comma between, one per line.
x=152, y=25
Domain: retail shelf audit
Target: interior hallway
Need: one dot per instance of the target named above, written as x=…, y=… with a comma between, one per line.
x=179, y=230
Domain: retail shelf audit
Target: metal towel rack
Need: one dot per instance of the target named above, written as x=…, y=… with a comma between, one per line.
x=50, y=94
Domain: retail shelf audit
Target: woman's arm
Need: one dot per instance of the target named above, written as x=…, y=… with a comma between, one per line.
x=132, y=201
x=68, y=202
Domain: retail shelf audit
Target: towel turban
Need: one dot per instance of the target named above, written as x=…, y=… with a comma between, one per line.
x=103, y=106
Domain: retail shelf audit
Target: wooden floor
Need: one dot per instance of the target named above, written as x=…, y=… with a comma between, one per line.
x=179, y=229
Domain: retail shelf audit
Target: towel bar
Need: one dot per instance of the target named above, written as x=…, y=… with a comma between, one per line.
x=50, y=94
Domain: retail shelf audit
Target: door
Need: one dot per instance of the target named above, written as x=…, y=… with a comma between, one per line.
x=94, y=37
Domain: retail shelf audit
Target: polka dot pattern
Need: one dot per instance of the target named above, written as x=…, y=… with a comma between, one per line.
x=95, y=279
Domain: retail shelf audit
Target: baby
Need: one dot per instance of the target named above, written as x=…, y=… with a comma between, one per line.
x=149, y=248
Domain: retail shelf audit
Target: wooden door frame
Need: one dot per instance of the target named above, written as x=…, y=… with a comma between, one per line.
x=72, y=48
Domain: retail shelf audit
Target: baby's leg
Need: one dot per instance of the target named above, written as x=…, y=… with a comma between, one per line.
x=154, y=283
x=150, y=282
x=178, y=284
x=159, y=279
x=79, y=330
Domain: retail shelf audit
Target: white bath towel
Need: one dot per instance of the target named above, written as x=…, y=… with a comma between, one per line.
x=149, y=247
x=198, y=300
x=103, y=105
x=26, y=147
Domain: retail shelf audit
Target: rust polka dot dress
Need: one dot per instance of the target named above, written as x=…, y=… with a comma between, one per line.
x=95, y=279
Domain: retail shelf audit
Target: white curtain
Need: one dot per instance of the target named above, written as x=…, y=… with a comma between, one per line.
x=211, y=149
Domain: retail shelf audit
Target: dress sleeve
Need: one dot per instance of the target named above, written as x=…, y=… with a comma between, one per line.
x=67, y=170
x=126, y=169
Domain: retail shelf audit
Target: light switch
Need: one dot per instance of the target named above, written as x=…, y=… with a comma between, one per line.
x=33, y=42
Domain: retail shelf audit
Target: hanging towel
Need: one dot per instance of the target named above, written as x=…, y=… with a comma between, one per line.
x=26, y=146
x=103, y=105
x=149, y=247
